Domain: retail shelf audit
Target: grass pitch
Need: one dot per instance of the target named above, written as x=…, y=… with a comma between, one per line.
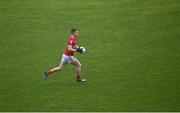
x=132, y=61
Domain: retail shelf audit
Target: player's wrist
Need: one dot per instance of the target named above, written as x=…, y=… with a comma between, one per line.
x=77, y=49
x=74, y=50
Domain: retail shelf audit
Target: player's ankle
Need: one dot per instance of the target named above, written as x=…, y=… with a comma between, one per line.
x=78, y=77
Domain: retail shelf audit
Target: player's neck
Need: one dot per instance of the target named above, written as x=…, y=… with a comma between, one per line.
x=74, y=36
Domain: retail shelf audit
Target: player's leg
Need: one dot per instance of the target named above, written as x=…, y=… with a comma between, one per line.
x=78, y=69
x=59, y=68
x=63, y=63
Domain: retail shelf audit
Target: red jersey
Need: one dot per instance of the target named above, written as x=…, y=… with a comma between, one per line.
x=71, y=41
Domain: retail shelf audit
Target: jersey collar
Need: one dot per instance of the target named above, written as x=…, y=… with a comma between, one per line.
x=73, y=36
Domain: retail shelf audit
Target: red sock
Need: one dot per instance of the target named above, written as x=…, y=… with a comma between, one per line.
x=78, y=77
x=50, y=72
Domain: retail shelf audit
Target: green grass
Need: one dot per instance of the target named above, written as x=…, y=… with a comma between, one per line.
x=132, y=61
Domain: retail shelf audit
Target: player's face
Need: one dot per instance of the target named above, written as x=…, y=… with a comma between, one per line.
x=76, y=33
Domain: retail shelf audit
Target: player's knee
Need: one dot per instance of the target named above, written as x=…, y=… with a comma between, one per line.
x=60, y=68
x=79, y=65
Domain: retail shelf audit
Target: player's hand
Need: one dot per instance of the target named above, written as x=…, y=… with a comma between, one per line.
x=79, y=50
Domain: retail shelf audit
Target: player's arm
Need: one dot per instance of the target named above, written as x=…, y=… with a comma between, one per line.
x=74, y=50
x=78, y=49
x=71, y=49
x=76, y=46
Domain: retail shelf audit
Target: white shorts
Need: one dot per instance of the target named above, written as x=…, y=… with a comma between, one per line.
x=68, y=59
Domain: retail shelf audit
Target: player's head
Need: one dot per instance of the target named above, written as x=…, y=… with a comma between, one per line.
x=75, y=31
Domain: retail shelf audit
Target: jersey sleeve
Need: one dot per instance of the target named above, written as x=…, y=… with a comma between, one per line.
x=70, y=42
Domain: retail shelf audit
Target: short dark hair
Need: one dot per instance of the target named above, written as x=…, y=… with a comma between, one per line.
x=74, y=30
